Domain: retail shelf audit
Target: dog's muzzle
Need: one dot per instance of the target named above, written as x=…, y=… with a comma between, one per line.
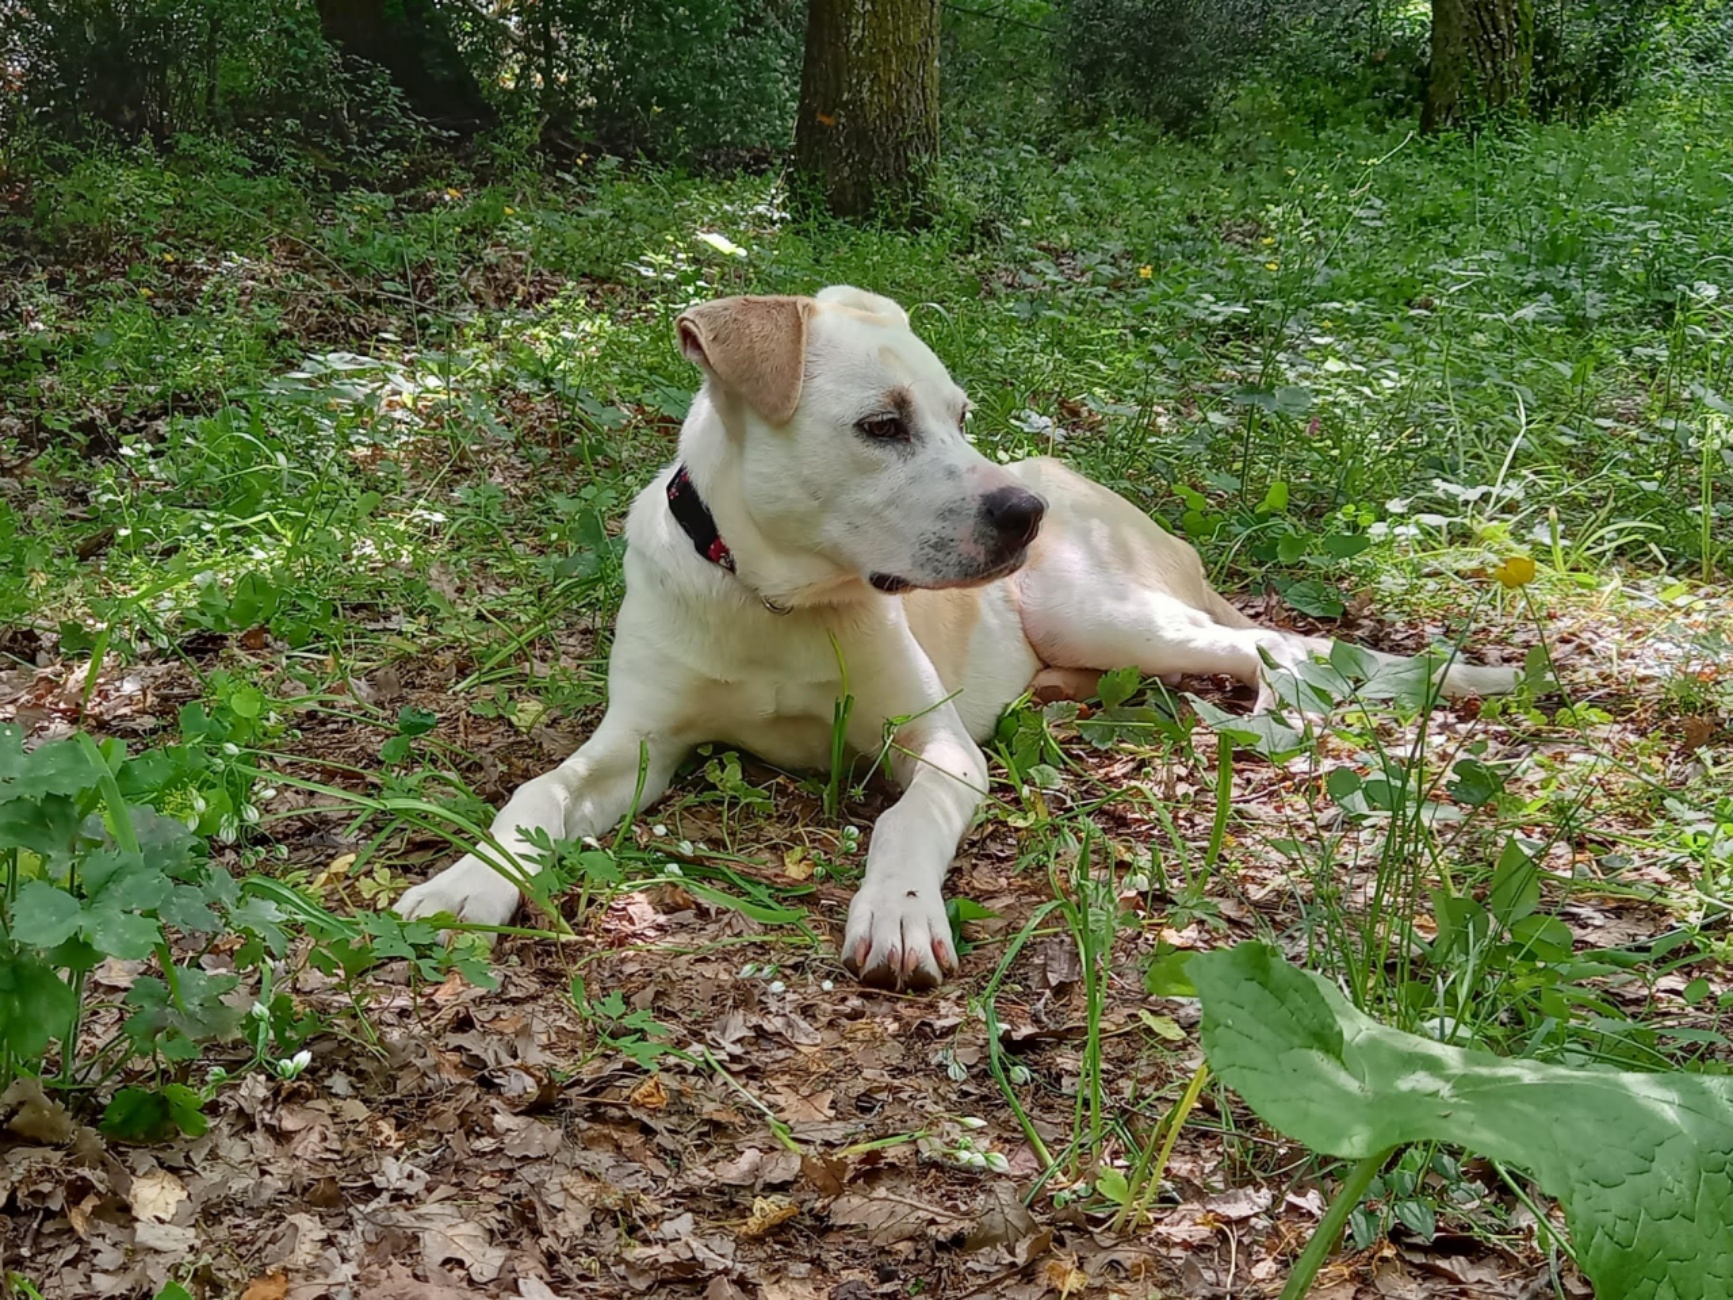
x=1012, y=517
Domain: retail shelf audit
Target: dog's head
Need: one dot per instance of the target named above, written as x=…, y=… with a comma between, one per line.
x=849, y=438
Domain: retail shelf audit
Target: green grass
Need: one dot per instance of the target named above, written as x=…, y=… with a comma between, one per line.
x=349, y=467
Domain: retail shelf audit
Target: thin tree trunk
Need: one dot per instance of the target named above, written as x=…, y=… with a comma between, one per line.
x=1482, y=60
x=868, y=131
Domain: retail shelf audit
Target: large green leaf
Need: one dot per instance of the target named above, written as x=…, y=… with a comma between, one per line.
x=44, y=914
x=59, y=767
x=1643, y=1163
x=35, y=1004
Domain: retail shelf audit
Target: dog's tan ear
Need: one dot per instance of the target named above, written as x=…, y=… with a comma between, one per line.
x=755, y=347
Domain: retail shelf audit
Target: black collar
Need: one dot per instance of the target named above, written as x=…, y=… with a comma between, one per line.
x=695, y=518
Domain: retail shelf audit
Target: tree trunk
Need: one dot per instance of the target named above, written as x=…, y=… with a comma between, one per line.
x=1482, y=60
x=410, y=40
x=867, y=136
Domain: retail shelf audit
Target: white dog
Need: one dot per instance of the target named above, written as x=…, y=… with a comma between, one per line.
x=828, y=506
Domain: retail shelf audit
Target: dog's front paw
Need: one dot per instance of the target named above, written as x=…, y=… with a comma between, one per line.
x=898, y=935
x=469, y=889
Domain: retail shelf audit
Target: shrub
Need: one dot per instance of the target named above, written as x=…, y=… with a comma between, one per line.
x=667, y=79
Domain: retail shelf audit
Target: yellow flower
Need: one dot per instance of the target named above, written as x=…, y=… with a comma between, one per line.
x=510, y=211
x=168, y=257
x=146, y=293
x=1517, y=571
x=453, y=194
x=1268, y=240
x=1272, y=266
x=1144, y=272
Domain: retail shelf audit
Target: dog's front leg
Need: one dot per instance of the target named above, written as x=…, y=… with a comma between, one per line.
x=898, y=935
x=585, y=795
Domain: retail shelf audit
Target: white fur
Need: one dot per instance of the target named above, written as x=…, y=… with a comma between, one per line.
x=811, y=510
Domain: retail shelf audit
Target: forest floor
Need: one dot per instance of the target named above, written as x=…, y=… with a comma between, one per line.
x=321, y=493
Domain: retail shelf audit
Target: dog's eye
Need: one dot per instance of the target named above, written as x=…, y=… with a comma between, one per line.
x=885, y=428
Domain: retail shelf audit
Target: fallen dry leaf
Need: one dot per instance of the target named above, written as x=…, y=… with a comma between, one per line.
x=650, y=1094
x=156, y=1195
x=272, y=1286
x=1240, y=1202
x=469, y=1244
x=889, y=1218
x=35, y=1116
x=768, y=1213
x=1063, y=1276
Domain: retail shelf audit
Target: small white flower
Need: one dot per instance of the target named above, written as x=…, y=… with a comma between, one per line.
x=231, y=749
x=1019, y=1074
x=997, y=1162
x=292, y=1067
x=658, y=830
x=673, y=869
x=259, y=1011
x=826, y=985
x=972, y=1121
x=777, y=986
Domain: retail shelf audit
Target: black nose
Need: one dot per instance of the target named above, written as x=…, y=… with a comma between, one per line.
x=1014, y=514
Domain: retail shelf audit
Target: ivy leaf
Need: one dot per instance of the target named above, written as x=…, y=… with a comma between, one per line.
x=413, y=721
x=1319, y=599
x=153, y=1115
x=1475, y=783
x=32, y=1000
x=47, y=825
x=123, y=882
x=186, y=907
x=1118, y=686
x=1268, y=734
x=1642, y=1163
x=59, y=767
x=44, y=915
x=125, y=935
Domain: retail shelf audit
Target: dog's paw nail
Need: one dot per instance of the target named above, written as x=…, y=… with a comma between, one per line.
x=862, y=951
x=942, y=954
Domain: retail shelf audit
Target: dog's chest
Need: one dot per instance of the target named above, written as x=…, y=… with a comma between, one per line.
x=786, y=721
x=775, y=695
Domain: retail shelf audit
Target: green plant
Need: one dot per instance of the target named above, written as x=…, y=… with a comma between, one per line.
x=1640, y=1162
x=91, y=874
x=633, y=1032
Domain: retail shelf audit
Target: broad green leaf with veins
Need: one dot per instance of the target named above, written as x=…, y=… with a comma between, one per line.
x=1642, y=1163
x=59, y=767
